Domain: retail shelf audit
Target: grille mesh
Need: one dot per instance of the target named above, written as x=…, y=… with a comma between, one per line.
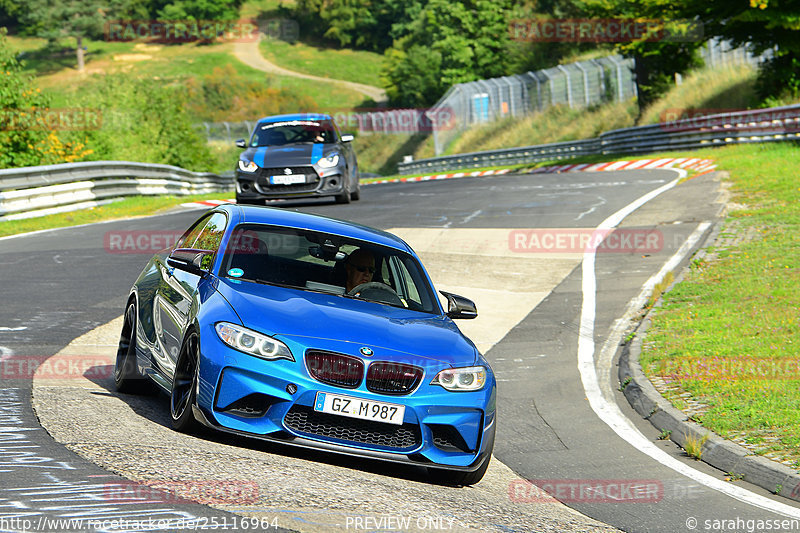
x=335, y=369
x=305, y=420
x=393, y=378
x=265, y=173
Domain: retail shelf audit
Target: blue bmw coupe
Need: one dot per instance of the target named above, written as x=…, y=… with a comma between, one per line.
x=312, y=332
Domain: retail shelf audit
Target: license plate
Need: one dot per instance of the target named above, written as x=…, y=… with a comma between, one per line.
x=336, y=404
x=291, y=179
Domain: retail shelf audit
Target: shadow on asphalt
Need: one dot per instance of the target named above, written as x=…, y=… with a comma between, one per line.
x=153, y=405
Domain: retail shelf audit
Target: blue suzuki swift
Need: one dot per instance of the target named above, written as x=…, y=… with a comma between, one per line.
x=313, y=332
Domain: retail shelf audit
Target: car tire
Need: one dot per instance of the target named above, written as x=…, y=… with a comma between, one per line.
x=356, y=194
x=127, y=377
x=344, y=197
x=184, y=385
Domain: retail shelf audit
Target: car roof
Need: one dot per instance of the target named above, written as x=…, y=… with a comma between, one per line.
x=250, y=214
x=294, y=116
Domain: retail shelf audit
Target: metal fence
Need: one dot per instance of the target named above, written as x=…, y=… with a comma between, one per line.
x=718, y=53
x=778, y=124
x=387, y=121
x=579, y=84
x=37, y=191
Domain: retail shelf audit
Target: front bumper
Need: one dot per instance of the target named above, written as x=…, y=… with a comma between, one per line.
x=249, y=396
x=256, y=186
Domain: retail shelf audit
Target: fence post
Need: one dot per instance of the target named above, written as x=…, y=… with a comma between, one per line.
x=585, y=83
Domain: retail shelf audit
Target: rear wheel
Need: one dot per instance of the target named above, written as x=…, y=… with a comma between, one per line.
x=127, y=377
x=184, y=385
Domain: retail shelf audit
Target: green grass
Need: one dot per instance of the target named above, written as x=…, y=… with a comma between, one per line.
x=254, y=8
x=129, y=207
x=341, y=64
x=225, y=156
x=709, y=90
x=42, y=58
x=741, y=308
x=554, y=124
x=379, y=153
x=176, y=64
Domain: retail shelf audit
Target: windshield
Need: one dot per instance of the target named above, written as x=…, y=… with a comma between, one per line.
x=332, y=264
x=293, y=131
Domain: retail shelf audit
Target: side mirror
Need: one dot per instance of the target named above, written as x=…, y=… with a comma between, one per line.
x=196, y=262
x=346, y=137
x=241, y=143
x=459, y=307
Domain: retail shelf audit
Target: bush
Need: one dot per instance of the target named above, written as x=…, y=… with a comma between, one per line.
x=25, y=137
x=143, y=121
x=225, y=95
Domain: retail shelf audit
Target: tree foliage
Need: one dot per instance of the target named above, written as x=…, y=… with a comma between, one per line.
x=143, y=121
x=763, y=25
x=672, y=48
x=216, y=10
x=25, y=139
x=451, y=41
x=366, y=24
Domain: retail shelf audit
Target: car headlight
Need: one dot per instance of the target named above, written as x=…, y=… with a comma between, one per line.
x=248, y=341
x=329, y=162
x=247, y=166
x=471, y=378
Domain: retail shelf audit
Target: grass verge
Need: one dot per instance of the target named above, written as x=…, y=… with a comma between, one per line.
x=341, y=64
x=728, y=336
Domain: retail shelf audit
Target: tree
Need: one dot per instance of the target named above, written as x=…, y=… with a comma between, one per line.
x=368, y=24
x=763, y=25
x=79, y=19
x=451, y=41
x=670, y=47
x=198, y=10
x=9, y=11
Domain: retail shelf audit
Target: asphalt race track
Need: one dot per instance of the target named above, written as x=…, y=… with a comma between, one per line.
x=477, y=237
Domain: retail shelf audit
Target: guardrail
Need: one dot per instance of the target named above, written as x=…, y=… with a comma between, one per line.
x=701, y=131
x=36, y=191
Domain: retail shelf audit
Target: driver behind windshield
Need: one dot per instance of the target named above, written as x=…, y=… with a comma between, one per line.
x=283, y=133
x=360, y=267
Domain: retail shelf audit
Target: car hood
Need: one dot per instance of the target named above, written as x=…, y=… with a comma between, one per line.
x=291, y=155
x=326, y=321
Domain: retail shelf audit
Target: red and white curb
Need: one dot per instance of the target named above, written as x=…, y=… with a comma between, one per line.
x=701, y=166
x=208, y=203
x=696, y=164
x=213, y=203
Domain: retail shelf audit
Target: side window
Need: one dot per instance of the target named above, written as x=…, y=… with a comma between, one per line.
x=188, y=238
x=211, y=236
x=206, y=234
x=407, y=288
